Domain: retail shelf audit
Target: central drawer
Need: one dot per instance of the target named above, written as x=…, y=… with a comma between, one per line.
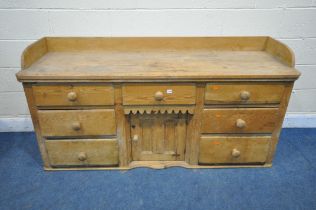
x=77, y=122
x=88, y=152
x=155, y=94
x=239, y=120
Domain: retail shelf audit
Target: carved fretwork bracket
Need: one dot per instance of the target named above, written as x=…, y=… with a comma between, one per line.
x=159, y=109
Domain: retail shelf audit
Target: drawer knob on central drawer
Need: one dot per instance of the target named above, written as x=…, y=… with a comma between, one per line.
x=235, y=153
x=240, y=123
x=72, y=96
x=158, y=96
x=76, y=126
x=244, y=95
x=82, y=156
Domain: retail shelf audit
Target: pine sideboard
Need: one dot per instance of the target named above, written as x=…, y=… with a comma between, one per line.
x=121, y=103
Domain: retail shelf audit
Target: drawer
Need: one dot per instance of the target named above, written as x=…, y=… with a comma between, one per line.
x=73, y=95
x=239, y=120
x=142, y=94
x=228, y=149
x=88, y=152
x=243, y=93
x=77, y=122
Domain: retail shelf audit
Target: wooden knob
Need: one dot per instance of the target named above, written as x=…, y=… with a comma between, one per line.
x=72, y=96
x=235, y=153
x=244, y=95
x=240, y=123
x=135, y=138
x=159, y=96
x=76, y=126
x=82, y=156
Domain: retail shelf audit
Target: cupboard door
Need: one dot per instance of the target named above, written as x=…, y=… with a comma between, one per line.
x=158, y=136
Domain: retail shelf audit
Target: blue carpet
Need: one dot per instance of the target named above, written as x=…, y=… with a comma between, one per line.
x=289, y=184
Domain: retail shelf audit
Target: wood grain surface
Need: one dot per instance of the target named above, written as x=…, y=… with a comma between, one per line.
x=85, y=95
x=159, y=58
x=219, y=149
x=91, y=122
x=159, y=137
x=144, y=94
x=96, y=152
x=257, y=120
x=267, y=93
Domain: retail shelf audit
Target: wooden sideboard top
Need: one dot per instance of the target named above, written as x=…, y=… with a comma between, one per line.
x=156, y=58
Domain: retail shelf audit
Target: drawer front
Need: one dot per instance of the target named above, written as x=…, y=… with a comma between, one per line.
x=142, y=94
x=77, y=122
x=73, y=95
x=88, y=152
x=223, y=149
x=239, y=120
x=243, y=93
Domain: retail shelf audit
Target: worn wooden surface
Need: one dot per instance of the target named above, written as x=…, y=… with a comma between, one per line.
x=219, y=149
x=160, y=58
x=144, y=94
x=191, y=102
x=194, y=127
x=33, y=110
x=257, y=120
x=91, y=122
x=122, y=129
x=158, y=109
x=57, y=44
x=219, y=93
x=158, y=137
x=160, y=165
x=197, y=64
x=280, y=51
x=34, y=52
x=85, y=95
x=96, y=152
x=277, y=129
